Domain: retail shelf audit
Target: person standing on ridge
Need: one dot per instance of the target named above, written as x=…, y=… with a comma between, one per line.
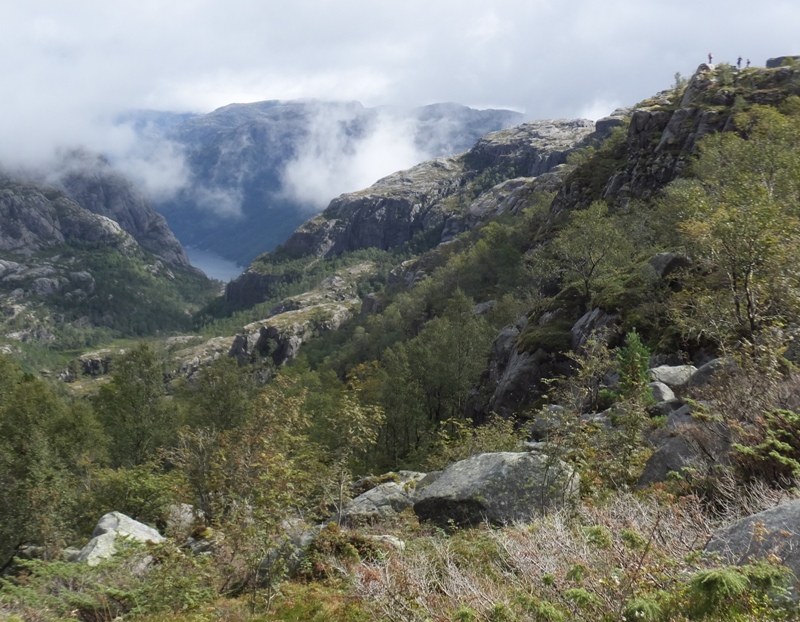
x=739, y=63
x=748, y=64
x=710, y=58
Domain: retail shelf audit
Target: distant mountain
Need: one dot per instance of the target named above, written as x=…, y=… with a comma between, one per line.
x=236, y=202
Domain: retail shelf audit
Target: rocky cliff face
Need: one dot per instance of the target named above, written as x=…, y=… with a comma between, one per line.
x=385, y=215
x=92, y=183
x=664, y=131
x=34, y=217
x=400, y=206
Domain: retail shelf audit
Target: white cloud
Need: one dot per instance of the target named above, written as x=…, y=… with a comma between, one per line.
x=332, y=160
x=598, y=109
x=69, y=67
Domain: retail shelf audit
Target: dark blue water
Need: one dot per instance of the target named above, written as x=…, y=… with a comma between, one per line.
x=213, y=265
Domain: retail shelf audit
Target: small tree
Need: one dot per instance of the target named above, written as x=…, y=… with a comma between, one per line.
x=739, y=215
x=134, y=408
x=633, y=361
x=590, y=247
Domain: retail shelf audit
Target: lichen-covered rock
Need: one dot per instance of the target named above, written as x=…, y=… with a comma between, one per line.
x=385, y=500
x=500, y=488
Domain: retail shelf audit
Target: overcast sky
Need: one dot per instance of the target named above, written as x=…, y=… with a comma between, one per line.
x=68, y=66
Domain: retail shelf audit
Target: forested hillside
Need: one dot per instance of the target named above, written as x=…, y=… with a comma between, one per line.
x=552, y=378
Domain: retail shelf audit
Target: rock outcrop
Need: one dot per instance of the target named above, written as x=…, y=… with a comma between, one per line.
x=512, y=379
x=780, y=61
x=385, y=215
x=530, y=149
x=297, y=319
x=500, y=488
x=398, y=207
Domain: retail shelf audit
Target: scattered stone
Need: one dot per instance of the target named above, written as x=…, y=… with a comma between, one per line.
x=390, y=542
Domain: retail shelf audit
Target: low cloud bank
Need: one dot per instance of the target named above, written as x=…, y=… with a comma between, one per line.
x=344, y=153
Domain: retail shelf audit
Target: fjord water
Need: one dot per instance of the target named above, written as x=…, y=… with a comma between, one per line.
x=213, y=265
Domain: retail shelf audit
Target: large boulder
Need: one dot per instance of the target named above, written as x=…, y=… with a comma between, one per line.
x=674, y=376
x=686, y=447
x=772, y=532
x=385, y=500
x=500, y=488
x=110, y=527
x=704, y=374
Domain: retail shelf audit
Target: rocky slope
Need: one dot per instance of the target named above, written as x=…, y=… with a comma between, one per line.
x=36, y=217
x=395, y=209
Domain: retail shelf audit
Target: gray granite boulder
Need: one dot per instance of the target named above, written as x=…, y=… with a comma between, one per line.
x=595, y=322
x=384, y=500
x=108, y=529
x=661, y=392
x=673, y=455
x=497, y=487
x=674, y=376
x=772, y=532
x=706, y=373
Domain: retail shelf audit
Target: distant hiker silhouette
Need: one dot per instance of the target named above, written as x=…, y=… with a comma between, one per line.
x=748, y=64
x=710, y=58
x=739, y=63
